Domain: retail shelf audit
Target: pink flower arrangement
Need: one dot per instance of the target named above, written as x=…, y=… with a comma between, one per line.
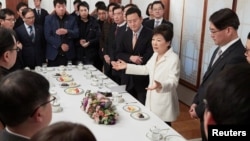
x=100, y=108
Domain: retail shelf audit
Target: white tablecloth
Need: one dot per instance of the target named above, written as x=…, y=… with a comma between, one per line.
x=126, y=127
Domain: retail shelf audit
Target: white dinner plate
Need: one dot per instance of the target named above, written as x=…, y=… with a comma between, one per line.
x=131, y=108
x=92, y=69
x=74, y=91
x=50, y=69
x=110, y=85
x=103, y=76
x=64, y=79
x=61, y=74
x=139, y=115
x=69, y=85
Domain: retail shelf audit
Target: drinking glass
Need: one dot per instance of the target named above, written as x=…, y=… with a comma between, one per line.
x=44, y=67
x=69, y=65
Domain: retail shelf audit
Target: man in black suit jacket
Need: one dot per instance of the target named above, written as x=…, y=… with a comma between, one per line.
x=33, y=51
x=113, y=43
x=223, y=27
x=40, y=13
x=139, y=53
x=158, y=12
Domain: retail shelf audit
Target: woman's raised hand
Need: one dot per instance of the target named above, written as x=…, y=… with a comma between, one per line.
x=119, y=65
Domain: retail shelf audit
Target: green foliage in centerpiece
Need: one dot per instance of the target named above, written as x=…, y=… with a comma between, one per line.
x=100, y=108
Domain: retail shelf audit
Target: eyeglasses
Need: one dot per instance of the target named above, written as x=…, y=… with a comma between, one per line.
x=17, y=49
x=30, y=18
x=213, y=31
x=52, y=100
x=158, y=9
x=10, y=20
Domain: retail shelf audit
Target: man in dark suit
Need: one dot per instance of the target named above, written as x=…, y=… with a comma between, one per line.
x=60, y=31
x=113, y=42
x=19, y=8
x=40, y=13
x=7, y=20
x=32, y=38
x=87, y=44
x=25, y=107
x=158, y=12
x=135, y=48
x=223, y=27
x=75, y=13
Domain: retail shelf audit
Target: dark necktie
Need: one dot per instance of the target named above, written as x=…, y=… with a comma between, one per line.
x=31, y=33
x=38, y=12
x=116, y=30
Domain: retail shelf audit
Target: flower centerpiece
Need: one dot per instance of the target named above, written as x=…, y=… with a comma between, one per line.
x=99, y=108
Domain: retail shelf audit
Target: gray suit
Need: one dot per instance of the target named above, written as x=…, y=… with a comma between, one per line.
x=6, y=136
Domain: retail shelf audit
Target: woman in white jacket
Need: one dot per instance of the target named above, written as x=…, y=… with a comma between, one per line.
x=163, y=69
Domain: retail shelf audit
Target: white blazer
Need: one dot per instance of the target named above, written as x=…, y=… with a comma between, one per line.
x=163, y=102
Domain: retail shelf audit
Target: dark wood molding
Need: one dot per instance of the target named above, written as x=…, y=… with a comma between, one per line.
x=117, y=1
x=234, y=5
x=188, y=85
x=167, y=7
x=11, y=4
x=202, y=42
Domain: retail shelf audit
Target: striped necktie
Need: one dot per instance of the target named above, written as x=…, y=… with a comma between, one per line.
x=31, y=33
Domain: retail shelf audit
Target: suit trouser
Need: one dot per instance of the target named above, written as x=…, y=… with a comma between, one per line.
x=203, y=135
x=60, y=60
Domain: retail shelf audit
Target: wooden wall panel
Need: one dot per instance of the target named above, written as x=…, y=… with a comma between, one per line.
x=167, y=7
x=118, y=1
x=11, y=4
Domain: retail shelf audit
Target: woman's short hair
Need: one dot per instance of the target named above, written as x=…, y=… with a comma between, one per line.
x=165, y=30
x=148, y=7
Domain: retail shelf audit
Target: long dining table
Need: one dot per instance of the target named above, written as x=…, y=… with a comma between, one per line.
x=126, y=128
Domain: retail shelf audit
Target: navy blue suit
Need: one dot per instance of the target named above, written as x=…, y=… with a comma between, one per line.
x=55, y=41
x=33, y=53
x=136, y=84
x=40, y=19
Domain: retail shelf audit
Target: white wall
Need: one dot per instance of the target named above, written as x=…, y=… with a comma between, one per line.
x=3, y=3
x=48, y=4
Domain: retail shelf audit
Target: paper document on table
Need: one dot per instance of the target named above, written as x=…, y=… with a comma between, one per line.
x=119, y=89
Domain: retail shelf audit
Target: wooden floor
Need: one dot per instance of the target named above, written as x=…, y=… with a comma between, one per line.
x=187, y=127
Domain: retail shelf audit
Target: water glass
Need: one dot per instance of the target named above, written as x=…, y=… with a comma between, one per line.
x=88, y=74
x=44, y=67
x=69, y=65
x=115, y=96
x=80, y=65
x=100, y=82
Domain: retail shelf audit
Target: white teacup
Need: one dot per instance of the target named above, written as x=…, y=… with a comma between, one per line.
x=156, y=134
